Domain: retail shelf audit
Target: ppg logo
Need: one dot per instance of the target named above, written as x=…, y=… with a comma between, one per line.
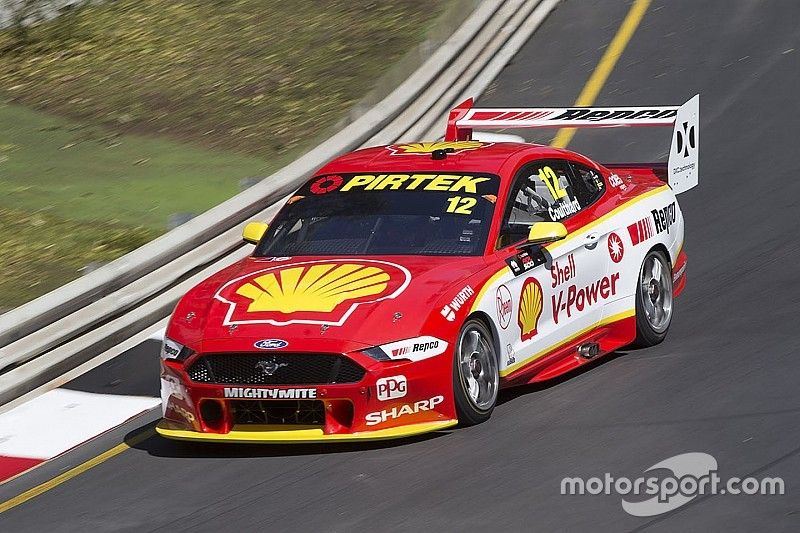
x=392, y=388
x=686, y=139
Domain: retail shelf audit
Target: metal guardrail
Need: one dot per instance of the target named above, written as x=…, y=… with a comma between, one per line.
x=57, y=332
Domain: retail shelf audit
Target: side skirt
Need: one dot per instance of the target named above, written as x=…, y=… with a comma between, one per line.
x=564, y=357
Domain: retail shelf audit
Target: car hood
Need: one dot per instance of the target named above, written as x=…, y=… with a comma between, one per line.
x=318, y=303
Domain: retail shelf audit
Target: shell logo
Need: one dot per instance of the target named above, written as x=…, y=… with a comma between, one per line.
x=530, y=308
x=429, y=147
x=312, y=292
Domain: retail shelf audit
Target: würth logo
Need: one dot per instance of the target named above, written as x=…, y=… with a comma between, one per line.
x=686, y=139
x=641, y=231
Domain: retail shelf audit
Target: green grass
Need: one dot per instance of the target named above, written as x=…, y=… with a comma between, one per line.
x=39, y=252
x=253, y=76
x=116, y=117
x=73, y=194
x=81, y=172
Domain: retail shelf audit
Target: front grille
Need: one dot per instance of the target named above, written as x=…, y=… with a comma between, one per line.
x=275, y=369
x=289, y=412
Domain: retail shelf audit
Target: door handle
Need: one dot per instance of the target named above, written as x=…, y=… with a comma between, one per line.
x=591, y=240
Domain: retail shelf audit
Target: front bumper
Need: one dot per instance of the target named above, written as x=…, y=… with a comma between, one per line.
x=340, y=411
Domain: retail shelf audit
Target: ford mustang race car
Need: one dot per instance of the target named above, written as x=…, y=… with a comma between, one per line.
x=402, y=286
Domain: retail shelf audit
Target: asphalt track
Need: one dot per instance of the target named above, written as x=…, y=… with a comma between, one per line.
x=725, y=382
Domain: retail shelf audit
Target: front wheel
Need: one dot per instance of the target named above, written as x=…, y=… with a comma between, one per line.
x=476, y=376
x=653, y=300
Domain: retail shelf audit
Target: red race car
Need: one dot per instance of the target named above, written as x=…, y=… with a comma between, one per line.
x=402, y=286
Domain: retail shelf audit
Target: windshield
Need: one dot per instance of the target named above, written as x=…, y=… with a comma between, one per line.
x=385, y=214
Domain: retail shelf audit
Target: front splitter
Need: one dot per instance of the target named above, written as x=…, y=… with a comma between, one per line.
x=280, y=435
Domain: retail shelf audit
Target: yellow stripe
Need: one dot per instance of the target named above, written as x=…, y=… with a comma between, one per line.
x=551, y=246
x=278, y=435
x=603, y=322
x=485, y=287
x=71, y=473
x=601, y=219
x=605, y=66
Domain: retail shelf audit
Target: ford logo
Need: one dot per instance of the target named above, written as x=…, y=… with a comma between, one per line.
x=271, y=344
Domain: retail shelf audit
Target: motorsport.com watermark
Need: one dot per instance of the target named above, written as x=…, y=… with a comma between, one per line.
x=691, y=475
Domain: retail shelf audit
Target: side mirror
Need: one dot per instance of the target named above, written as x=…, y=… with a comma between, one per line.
x=253, y=232
x=545, y=232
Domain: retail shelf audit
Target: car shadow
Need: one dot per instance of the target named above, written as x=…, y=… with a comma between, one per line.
x=509, y=394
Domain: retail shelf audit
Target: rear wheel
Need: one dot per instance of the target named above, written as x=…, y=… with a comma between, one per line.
x=653, y=300
x=476, y=376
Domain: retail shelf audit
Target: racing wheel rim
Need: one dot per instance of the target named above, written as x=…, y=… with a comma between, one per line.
x=656, y=292
x=477, y=368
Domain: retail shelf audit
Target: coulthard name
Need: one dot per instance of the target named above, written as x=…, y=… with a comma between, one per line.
x=410, y=182
x=564, y=210
x=270, y=394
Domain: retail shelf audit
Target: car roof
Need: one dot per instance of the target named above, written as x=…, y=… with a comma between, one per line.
x=489, y=158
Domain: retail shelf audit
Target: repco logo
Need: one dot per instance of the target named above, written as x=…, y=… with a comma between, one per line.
x=422, y=346
x=664, y=218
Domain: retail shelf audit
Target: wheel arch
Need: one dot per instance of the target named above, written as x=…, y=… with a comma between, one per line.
x=660, y=247
x=490, y=325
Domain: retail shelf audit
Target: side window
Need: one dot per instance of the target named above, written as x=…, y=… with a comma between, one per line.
x=541, y=192
x=589, y=185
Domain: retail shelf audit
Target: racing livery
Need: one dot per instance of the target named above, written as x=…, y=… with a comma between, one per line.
x=402, y=286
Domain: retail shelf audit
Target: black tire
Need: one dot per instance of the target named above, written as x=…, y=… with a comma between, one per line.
x=482, y=366
x=654, y=300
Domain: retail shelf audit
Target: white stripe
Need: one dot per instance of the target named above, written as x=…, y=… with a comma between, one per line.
x=158, y=335
x=58, y=420
x=66, y=377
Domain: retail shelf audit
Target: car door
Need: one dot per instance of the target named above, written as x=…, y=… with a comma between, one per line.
x=554, y=289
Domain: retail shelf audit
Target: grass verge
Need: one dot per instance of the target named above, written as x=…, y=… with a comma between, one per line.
x=77, y=171
x=40, y=252
x=253, y=76
x=125, y=112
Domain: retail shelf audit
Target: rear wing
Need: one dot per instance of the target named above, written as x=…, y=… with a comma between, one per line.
x=683, y=155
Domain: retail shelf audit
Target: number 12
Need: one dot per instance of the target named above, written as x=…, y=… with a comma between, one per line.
x=548, y=176
x=461, y=206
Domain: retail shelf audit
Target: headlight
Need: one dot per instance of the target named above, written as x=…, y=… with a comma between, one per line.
x=415, y=349
x=174, y=351
x=377, y=353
